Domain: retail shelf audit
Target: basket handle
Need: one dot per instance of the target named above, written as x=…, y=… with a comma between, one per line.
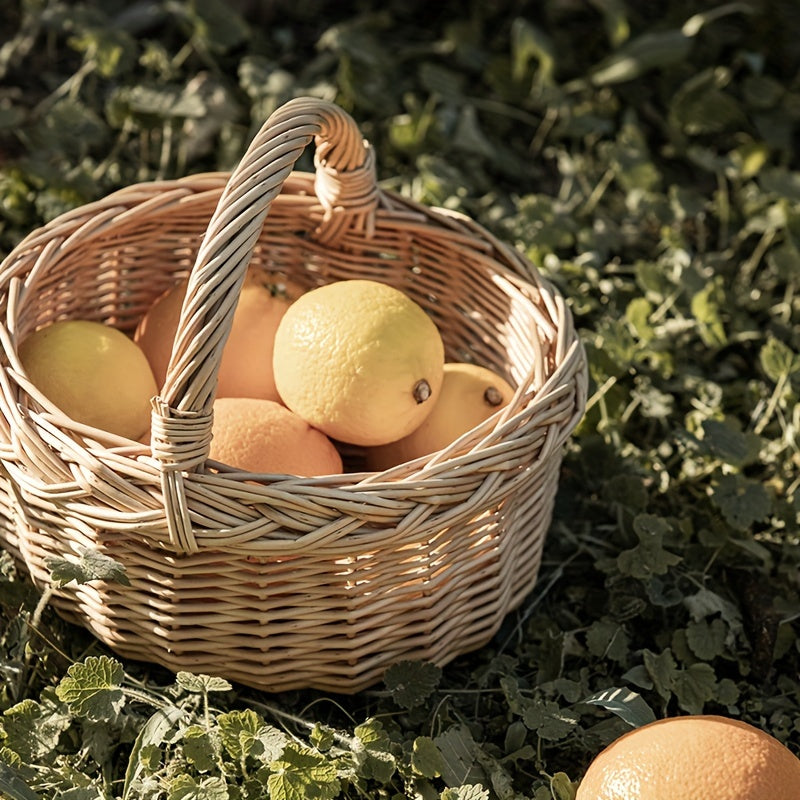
x=346, y=188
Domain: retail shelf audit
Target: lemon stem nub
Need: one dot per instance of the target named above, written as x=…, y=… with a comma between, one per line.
x=492, y=396
x=422, y=391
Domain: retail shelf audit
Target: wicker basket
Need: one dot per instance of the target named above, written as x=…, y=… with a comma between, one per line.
x=279, y=582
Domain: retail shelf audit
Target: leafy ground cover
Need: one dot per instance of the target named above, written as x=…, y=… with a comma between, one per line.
x=644, y=157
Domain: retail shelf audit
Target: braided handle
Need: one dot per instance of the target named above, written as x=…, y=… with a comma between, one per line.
x=345, y=185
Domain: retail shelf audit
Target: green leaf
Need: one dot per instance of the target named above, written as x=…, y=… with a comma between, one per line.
x=111, y=49
x=372, y=751
x=467, y=791
x=638, y=313
x=200, y=747
x=694, y=687
x=238, y=730
x=91, y=688
x=702, y=106
x=411, y=683
x=71, y=129
x=663, y=670
x=727, y=692
x=528, y=43
x=149, y=758
x=372, y=735
x=186, y=787
x=468, y=136
x=217, y=25
x=649, y=557
x=627, y=491
x=202, y=683
x=426, y=758
x=100, y=740
x=781, y=182
x=82, y=793
x=458, y=754
x=785, y=261
x=90, y=566
x=697, y=22
x=152, y=734
x=778, y=360
x=31, y=730
x=706, y=308
x=705, y=603
x=707, y=639
x=155, y=104
x=549, y=720
x=742, y=501
x=12, y=785
x=627, y=705
x=615, y=19
x=607, y=639
x=726, y=442
x=441, y=81
x=302, y=774
x=562, y=787
x=322, y=737
x=640, y=55
x=245, y=734
x=269, y=743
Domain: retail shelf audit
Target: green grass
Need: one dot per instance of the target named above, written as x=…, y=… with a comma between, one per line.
x=644, y=157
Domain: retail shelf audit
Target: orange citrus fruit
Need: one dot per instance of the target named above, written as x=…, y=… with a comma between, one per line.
x=259, y=435
x=699, y=757
x=469, y=395
x=93, y=373
x=245, y=368
x=360, y=360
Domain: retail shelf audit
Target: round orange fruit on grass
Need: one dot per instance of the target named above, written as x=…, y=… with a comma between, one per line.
x=93, y=373
x=259, y=435
x=700, y=757
x=469, y=395
x=360, y=360
x=245, y=369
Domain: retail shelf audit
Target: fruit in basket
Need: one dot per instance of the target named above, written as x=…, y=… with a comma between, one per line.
x=469, y=395
x=360, y=360
x=697, y=757
x=93, y=373
x=264, y=436
x=245, y=369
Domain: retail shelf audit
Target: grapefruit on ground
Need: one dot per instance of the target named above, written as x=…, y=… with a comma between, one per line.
x=698, y=757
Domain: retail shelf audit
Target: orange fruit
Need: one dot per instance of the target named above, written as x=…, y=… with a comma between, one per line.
x=93, y=373
x=699, y=757
x=360, y=360
x=245, y=368
x=469, y=395
x=264, y=436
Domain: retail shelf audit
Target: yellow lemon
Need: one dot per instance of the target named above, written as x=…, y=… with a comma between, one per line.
x=264, y=436
x=245, y=369
x=470, y=394
x=360, y=360
x=93, y=373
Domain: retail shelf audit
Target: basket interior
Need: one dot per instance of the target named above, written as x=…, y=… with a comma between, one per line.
x=111, y=265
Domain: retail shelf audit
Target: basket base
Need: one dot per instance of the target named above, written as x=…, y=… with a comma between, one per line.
x=445, y=598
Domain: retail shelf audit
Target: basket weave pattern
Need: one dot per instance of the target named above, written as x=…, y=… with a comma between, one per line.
x=274, y=581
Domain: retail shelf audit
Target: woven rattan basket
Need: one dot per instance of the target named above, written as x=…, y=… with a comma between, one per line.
x=273, y=581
